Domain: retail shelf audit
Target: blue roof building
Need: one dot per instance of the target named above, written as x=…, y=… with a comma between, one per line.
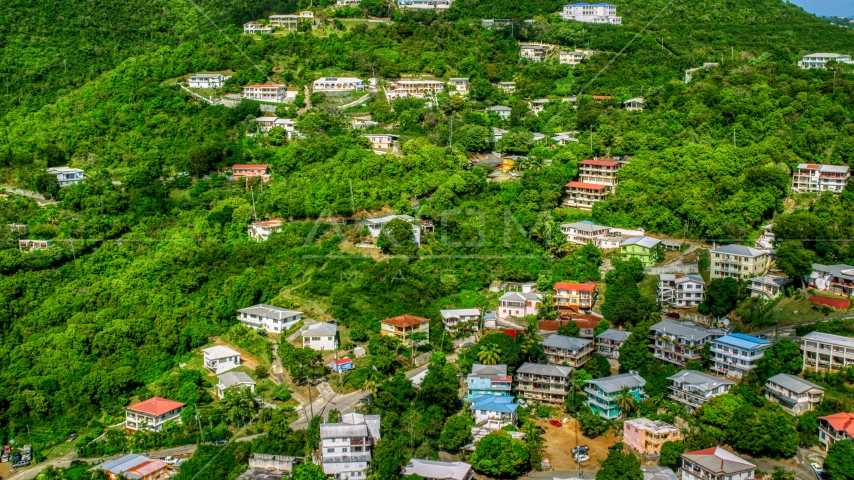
x=493, y=411
x=734, y=355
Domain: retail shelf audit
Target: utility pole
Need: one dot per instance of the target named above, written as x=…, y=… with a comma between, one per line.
x=310, y=406
x=201, y=432
x=254, y=213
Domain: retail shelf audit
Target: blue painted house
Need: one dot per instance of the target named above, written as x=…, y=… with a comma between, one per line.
x=342, y=365
x=494, y=412
x=488, y=380
x=602, y=393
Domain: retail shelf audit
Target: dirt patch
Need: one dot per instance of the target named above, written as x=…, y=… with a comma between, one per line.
x=5, y=468
x=559, y=441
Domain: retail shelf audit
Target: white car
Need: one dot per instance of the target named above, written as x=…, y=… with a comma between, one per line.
x=170, y=460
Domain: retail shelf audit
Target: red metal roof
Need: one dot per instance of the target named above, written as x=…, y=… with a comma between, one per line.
x=149, y=467
x=269, y=223
x=584, y=287
x=244, y=166
x=343, y=361
x=156, y=406
x=602, y=97
x=591, y=186
x=405, y=321
x=604, y=163
x=843, y=422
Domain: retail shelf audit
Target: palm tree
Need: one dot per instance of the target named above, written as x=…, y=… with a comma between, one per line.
x=626, y=401
x=532, y=330
x=489, y=354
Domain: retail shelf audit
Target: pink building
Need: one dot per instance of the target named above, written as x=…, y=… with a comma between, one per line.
x=647, y=436
x=249, y=171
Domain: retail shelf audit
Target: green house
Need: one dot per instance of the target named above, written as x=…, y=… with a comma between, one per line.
x=602, y=393
x=646, y=249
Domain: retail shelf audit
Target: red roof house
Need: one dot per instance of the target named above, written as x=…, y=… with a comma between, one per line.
x=836, y=427
x=152, y=414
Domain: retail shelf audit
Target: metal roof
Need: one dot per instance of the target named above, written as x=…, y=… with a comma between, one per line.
x=495, y=403
x=793, y=383
x=743, y=341
x=521, y=296
x=324, y=329
x=829, y=338
x=687, y=330
x=567, y=343
x=839, y=270
x=616, y=335
x=615, y=383
x=430, y=469
x=646, y=242
x=702, y=381
x=220, y=351
x=541, y=369
x=658, y=472
x=460, y=312
x=479, y=370
x=123, y=463
x=343, y=430
x=719, y=461
x=269, y=311
x=229, y=379
x=741, y=251
x=584, y=226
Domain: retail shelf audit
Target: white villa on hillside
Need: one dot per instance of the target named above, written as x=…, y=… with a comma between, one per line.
x=819, y=60
x=66, y=175
x=234, y=379
x=591, y=13
x=346, y=446
x=375, y=225
x=680, y=290
x=338, y=84
x=207, y=80
x=320, y=337
x=270, y=318
x=220, y=358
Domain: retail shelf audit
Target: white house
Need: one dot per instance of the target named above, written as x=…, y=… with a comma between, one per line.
x=66, y=175
x=715, y=462
x=768, y=287
x=634, y=104
x=794, y=394
x=681, y=290
x=375, y=225
x=251, y=28
x=819, y=60
x=591, y=13
x=734, y=355
x=381, y=140
x=234, y=379
x=501, y=111
x=338, y=84
x=207, y=80
x=346, y=446
x=692, y=388
x=538, y=106
x=460, y=84
x=320, y=336
x=152, y=414
x=573, y=57
x=452, y=318
x=220, y=359
x=261, y=231
x=287, y=22
x=270, y=318
x=536, y=53
x=272, y=92
x=815, y=178
x=519, y=304
x=494, y=411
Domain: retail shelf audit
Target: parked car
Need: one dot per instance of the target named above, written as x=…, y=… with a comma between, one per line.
x=580, y=448
x=540, y=429
x=4, y=458
x=673, y=315
x=497, y=165
x=262, y=333
x=819, y=473
x=170, y=460
x=16, y=457
x=221, y=441
x=72, y=437
x=581, y=458
x=21, y=463
x=77, y=463
x=555, y=423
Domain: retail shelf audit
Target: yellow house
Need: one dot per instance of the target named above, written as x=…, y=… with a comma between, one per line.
x=403, y=326
x=508, y=163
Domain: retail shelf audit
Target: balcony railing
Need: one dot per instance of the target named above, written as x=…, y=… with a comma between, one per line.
x=332, y=458
x=531, y=388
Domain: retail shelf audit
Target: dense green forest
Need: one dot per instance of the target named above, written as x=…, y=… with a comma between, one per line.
x=148, y=264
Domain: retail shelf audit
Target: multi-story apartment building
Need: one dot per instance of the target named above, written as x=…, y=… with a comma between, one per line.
x=152, y=414
x=811, y=177
x=591, y=13
x=519, y=304
x=270, y=318
x=66, y=176
x=488, y=380
x=677, y=343
x=739, y=262
x=346, y=446
x=599, y=172
x=571, y=351
x=583, y=195
x=414, y=88
x=338, y=84
x=404, y=326
x=647, y=436
x=573, y=57
x=272, y=92
x=546, y=383
x=452, y=318
x=767, y=239
x=767, y=287
x=823, y=351
x=539, y=105
x=574, y=297
x=734, y=355
x=602, y=393
x=535, y=53
x=251, y=28
x=838, y=279
x=286, y=22
x=681, y=291
x=608, y=343
x=834, y=428
x=494, y=412
x=261, y=231
x=794, y=394
x=207, y=80
x=461, y=85
x=322, y=337
x=583, y=232
x=819, y=60
x=646, y=249
x=692, y=388
x=715, y=463
x=507, y=87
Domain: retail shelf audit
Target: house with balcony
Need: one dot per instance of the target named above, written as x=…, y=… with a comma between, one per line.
x=815, y=178
x=824, y=351
x=207, y=80
x=767, y=287
x=346, y=446
x=571, y=351
x=794, y=394
x=734, y=355
x=29, y=245
x=599, y=172
x=591, y=13
x=452, y=318
x=495, y=23
x=284, y=22
x=602, y=393
x=834, y=428
x=608, y=343
x=572, y=57
x=565, y=138
x=338, y=84
x=245, y=171
x=381, y=140
x=507, y=87
x=233, y=379
x=519, y=304
x=679, y=342
x=837, y=279
x=573, y=297
x=819, y=60
x=535, y=53
x=692, y=388
x=647, y=436
x=322, y=337
x=715, y=463
x=438, y=5
x=501, y=111
x=152, y=414
x=488, y=380
x=404, y=326
x=433, y=470
x=583, y=195
x=681, y=291
x=739, y=262
x=767, y=239
x=251, y=28
x=220, y=358
x=646, y=249
x=414, y=88
x=494, y=411
x=66, y=176
x=271, y=319
x=261, y=231
x=273, y=93
x=545, y=383
x=634, y=104
x=375, y=226
x=461, y=85
x=583, y=232
x=538, y=106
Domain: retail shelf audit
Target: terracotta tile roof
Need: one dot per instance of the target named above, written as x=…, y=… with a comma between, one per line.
x=405, y=321
x=244, y=166
x=269, y=223
x=149, y=467
x=604, y=163
x=591, y=186
x=602, y=97
x=584, y=287
x=842, y=422
x=156, y=406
